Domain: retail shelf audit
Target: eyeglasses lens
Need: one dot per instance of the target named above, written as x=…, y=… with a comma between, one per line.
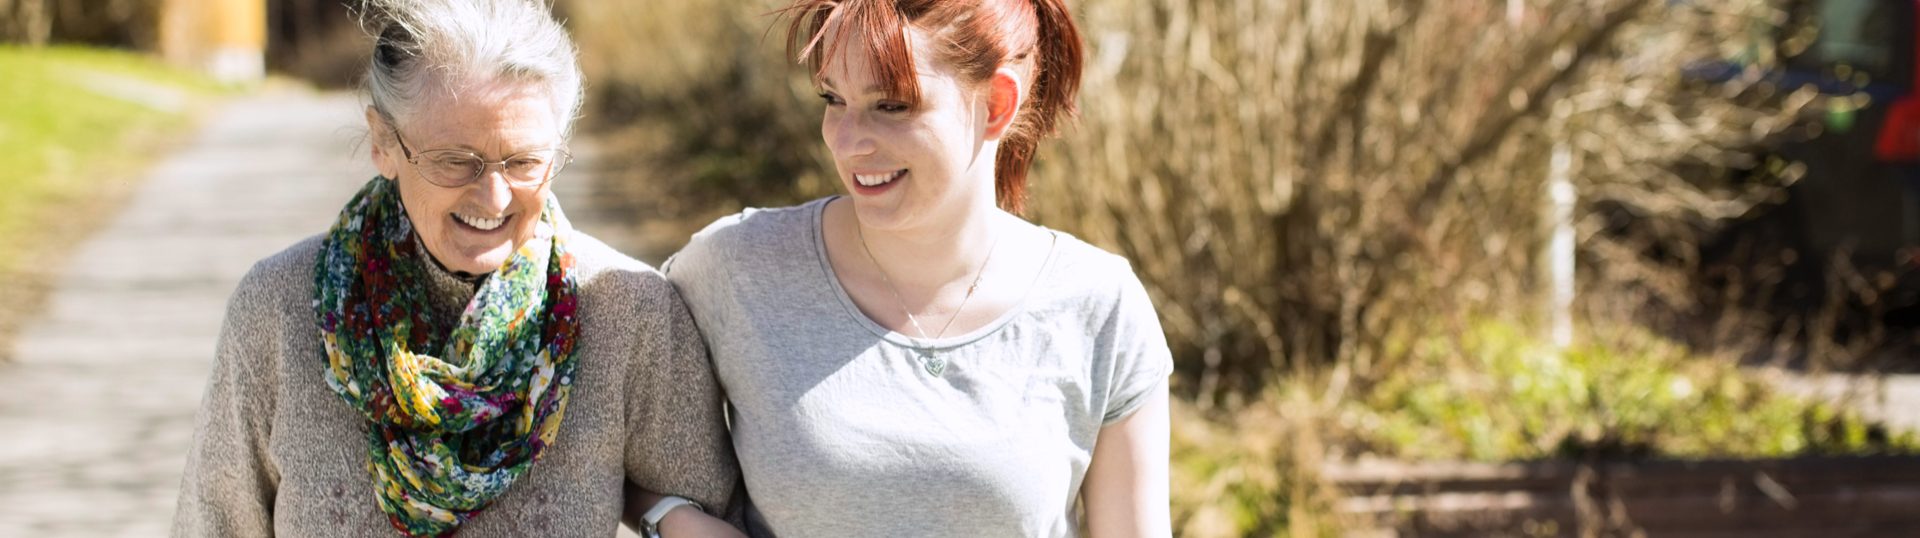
x=454, y=169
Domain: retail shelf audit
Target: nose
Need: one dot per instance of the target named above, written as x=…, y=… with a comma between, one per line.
x=848, y=134
x=491, y=191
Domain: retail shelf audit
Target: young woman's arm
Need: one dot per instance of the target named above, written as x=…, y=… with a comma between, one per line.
x=684, y=522
x=1126, y=489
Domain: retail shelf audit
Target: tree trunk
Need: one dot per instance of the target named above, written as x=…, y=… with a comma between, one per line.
x=36, y=22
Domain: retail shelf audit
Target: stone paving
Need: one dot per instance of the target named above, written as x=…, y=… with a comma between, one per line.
x=96, y=410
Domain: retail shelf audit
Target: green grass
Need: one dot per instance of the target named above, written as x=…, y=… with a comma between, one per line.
x=63, y=134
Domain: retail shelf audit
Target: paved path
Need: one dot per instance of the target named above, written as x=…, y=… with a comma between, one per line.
x=96, y=411
x=97, y=407
x=1893, y=400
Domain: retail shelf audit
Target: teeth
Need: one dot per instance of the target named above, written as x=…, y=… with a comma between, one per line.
x=876, y=179
x=484, y=224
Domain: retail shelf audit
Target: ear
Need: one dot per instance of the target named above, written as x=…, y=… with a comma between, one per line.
x=377, y=135
x=1004, y=96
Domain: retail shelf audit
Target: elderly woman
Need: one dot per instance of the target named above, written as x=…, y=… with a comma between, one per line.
x=452, y=356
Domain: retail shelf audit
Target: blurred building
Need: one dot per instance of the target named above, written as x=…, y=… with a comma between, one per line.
x=226, y=39
x=1863, y=57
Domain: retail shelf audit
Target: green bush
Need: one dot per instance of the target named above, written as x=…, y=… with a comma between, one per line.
x=1497, y=395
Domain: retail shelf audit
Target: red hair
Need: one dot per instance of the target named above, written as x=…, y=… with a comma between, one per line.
x=976, y=37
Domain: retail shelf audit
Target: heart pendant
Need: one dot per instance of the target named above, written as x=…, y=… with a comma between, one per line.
x=935, y=365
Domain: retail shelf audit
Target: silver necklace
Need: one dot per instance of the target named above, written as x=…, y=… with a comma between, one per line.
x=933, y=363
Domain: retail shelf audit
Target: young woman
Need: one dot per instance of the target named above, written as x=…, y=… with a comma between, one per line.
x=913, y=359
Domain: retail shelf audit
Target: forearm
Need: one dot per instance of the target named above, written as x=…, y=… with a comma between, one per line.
x=681, y=522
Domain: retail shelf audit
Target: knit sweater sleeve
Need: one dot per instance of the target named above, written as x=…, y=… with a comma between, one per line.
x=678, y=444
x=231, y=481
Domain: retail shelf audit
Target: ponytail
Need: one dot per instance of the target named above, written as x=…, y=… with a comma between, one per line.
x=1056, y=81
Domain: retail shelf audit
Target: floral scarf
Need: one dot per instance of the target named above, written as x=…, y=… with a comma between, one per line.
x=455, y=418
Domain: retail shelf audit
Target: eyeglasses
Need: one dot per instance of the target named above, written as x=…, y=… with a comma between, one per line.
x=452, y=168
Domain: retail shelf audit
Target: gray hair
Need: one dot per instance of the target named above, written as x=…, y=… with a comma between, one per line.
x=418, y=43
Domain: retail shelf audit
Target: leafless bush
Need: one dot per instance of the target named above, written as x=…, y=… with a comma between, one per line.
x=1309, y=182
x=698, y=113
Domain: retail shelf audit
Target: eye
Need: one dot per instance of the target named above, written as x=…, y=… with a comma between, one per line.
x=454, y=161
x=831, y=100
x=892, y=107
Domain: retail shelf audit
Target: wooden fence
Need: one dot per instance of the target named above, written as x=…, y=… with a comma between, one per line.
x=1805, y=497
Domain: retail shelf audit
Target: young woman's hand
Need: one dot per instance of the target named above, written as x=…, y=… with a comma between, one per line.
x=688, y=523
x=682, y=522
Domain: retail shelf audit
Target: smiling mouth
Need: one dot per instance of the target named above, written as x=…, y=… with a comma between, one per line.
x=874, y=180
x=485, y=225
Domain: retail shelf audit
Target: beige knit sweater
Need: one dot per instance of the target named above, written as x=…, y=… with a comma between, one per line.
x=276, y=453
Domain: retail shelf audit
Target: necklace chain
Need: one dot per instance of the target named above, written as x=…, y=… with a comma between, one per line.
x=982, y=272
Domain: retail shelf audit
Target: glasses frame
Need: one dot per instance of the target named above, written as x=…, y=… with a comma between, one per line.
x=565, y=159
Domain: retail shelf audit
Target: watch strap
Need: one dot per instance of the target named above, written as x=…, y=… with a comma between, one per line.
x=659, y=511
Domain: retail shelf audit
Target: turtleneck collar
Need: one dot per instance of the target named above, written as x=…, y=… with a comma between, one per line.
x=448, y=292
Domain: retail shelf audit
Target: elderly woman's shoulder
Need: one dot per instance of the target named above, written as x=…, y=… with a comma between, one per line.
x=601, y=269
x=287, y=271
x=277, y=286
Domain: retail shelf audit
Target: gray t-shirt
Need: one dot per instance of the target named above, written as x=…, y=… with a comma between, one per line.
x=842, y=432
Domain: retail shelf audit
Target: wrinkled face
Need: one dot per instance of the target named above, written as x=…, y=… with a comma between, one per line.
x=474, y=228
x=905, y=166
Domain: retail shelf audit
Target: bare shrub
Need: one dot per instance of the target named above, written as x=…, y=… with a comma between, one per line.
x=1310, y=182
x=698, y=113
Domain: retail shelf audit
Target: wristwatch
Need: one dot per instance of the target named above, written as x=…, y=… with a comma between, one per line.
x=650, y=523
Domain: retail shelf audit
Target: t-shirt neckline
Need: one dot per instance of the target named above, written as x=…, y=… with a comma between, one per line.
x=818, y=218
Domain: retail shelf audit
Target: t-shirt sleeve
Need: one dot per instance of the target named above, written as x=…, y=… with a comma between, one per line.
x=1140, y=361
x=696, y=271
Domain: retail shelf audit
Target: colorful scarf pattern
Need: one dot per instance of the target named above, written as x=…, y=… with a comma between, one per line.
x=448, y=433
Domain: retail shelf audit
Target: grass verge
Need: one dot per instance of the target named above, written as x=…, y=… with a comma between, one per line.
x=77, y=127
